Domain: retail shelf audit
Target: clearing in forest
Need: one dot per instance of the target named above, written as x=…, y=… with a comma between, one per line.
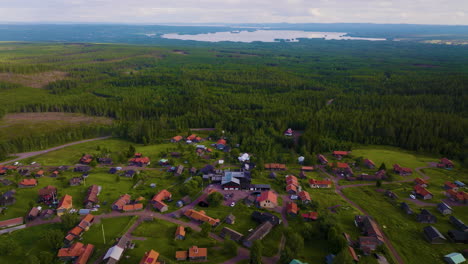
x=36, y=80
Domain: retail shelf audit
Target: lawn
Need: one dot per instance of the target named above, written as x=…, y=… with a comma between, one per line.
x=113, y=228
x=403, y=230
x=159, y=236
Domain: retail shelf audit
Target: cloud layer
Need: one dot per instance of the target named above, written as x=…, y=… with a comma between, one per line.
x=450, y=12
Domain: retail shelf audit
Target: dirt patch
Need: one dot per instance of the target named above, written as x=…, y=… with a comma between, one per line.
x=37, y=80
x=16, y=118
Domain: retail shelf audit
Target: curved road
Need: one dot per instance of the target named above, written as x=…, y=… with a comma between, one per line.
x=25, y=155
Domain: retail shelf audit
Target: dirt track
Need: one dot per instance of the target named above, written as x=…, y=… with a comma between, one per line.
x=26, y=155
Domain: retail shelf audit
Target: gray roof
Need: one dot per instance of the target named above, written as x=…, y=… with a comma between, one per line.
x=432, y=232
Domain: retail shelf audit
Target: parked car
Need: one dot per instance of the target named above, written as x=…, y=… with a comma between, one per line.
x=412, y=196
x=294, y=197
x=233, y=204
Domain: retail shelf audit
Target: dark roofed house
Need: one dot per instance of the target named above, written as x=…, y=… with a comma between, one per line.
x=426, y=217
x=444, y=209
x=82, y=169
x=230, y=219
x=369, y=163
x=86, y=159
x=8, y=198
x=368, y=227
x=391, y=194
x=258, y=233
x=322, y=159
x=262, y=217
x=75, y=181
x=402, y=171
x=367, y=244
x=272, y=175
x=433, y=235
x=406, y=208
x=208, y=169
x=113, y=170
x=458, y=236
x=458, y=224
x=129, y=173
x=105, y=160
x=227, y=232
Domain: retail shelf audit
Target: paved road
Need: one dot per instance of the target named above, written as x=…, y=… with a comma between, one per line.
x=26, y=155
x=389, y=244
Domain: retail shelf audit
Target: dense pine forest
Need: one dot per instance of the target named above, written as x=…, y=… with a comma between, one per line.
x=336, y=93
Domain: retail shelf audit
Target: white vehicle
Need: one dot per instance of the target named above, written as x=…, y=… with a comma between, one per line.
x=16, y=163
x=412, y=197
x=233, y=204
x=32, y=163
x=294, y=197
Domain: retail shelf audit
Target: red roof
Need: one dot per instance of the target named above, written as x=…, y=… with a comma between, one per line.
x=192, y=137
x=221, y=141
x=339, y=152
x=291, y=187
x=196, y=252
x=292, y=208
x=291, y=179
x=144, y=160
x=161, y=196
x=65, y=202
x=41, y=172
x=446, y=161
x=310, y=215
x=132, y=207
x=307, y=168
x=321, y=157
x=342, y=165
x=320, y=182
x=304, y=196
x=268, y=196
x=398, y=168
x=450, y=185
x=460, y=196
x=275, y=166
x=421, y=190
x=420, y=181
x=28, y=182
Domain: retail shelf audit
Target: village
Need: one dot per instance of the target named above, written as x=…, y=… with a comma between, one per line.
x=206, y=192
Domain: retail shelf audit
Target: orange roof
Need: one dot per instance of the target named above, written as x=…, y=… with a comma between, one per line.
x=268, y=195
x=221, y=141
x=275, y=166
x=88, y=218
x=310, y=215
x=65, y=202
x=305, y=196
x=292, y=208
x=41, y=172
x=201, y=216
x=421, y=190
x=192, y=137
x=122, y=201
x=353, y=254
x=162, y=195
x=307, y=168
x=84, y=257
x=150, y=257
x=74, y=251
x=181, y=254
x=180, y=231
x=28, y=182
x=76, y=231
x=196, y=252
x=132, y=207
x=177, y=138
x=69, y=237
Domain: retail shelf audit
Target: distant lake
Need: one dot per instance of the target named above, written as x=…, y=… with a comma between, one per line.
x=265, y=36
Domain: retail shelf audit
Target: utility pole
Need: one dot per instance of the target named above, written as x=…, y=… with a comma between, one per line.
x=103, y=236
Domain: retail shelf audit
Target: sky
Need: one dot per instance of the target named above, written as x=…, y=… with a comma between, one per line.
x=445, y=12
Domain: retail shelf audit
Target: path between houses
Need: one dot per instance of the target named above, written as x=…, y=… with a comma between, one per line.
x=25, y=155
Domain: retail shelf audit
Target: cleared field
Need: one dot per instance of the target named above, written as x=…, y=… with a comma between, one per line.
x=26, y=124
x=36, y=80
x=391, y=155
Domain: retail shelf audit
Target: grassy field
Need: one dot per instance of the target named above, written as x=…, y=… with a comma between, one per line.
x=392, y=155
x=159, y=236
x=403, y=230
x=113, y=228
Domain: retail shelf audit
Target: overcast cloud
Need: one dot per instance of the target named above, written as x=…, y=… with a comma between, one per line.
x=448, y=12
